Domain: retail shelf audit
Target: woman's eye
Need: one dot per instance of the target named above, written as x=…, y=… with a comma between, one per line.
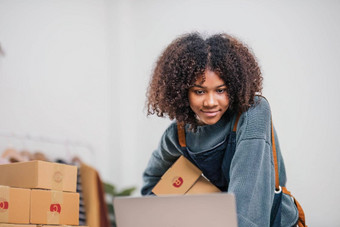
x=220, y=91
x=199, y=92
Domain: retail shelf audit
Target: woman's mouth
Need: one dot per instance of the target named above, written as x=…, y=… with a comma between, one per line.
x=210, y=113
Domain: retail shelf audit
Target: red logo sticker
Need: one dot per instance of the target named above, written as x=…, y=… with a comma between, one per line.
x=55, y=208
x=177, y=182
x=3, y=205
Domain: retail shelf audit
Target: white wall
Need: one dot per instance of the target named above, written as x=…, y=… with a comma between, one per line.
x=54, y=77
x=79, y=70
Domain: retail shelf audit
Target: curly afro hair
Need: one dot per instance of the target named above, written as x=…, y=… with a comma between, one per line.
x=186, y=59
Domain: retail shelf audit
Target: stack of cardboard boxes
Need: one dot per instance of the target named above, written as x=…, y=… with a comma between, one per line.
x=38, y=193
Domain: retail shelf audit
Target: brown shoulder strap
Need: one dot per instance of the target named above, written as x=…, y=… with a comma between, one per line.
x=236, y=122
x=277, y=182
x=301, y=221
x=181, y=134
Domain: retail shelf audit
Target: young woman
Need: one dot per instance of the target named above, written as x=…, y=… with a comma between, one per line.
x=211, y=88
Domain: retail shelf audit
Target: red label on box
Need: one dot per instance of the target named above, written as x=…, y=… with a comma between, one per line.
x=55, y=208
x=177, y=182
x=3, y=205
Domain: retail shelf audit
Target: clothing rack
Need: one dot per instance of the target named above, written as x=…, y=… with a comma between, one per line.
x=88, y=184
x=69, y=146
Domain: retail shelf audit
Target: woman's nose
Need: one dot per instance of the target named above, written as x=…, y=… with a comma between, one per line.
x=210, y=100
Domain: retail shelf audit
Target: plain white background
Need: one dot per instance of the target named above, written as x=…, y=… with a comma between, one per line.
x=78, y=71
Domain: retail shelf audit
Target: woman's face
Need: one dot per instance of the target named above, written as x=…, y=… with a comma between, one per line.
x=209, y=100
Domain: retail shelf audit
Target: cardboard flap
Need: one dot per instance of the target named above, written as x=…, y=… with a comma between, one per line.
x=178, y=179
x=201, y=186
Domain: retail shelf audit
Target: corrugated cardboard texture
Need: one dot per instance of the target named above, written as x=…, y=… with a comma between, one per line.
x=14, y=205
x=39, y=174
x=54, y=207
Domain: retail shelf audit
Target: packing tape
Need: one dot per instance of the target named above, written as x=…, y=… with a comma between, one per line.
x=4, y=203
x=56, y=207
x=58, y=177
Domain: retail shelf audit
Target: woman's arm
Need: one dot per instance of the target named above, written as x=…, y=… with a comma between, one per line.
x=252, y=182
x=161, y=159
x=252, y=169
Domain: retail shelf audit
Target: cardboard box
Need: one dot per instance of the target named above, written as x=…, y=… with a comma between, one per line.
x=17, y=225
x=39, y=174
x=14, y=205
x=54, y=207
x=183, y=177
x=28, y=225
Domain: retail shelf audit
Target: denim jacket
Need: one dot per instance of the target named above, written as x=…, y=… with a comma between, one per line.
x=251, y=171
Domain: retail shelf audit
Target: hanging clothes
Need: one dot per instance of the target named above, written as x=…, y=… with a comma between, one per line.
x=93, y=195
x=82, y=212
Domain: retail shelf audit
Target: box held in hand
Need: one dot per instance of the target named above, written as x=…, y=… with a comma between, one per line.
x=183, y=177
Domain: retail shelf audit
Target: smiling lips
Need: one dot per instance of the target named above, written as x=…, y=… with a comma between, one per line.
x=210, y=113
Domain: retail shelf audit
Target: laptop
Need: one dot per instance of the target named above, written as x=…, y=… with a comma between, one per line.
x=215, y=209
